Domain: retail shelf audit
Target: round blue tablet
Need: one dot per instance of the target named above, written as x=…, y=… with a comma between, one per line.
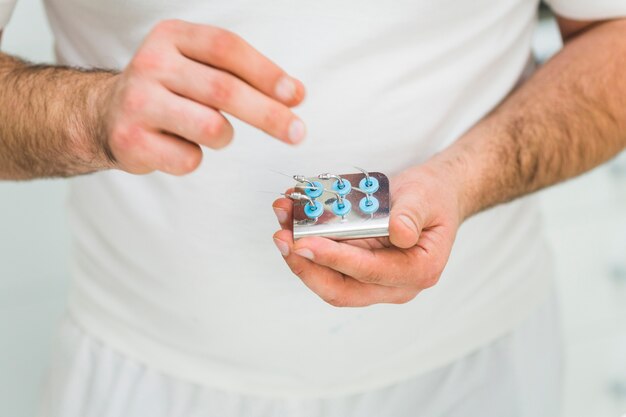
x=342, y=188
x=313, y=212
x=370, y=186
x=369, y=206
x=341, y=209
x=314, y=193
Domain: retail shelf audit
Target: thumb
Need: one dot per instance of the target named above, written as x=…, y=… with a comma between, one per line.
x=405, y=223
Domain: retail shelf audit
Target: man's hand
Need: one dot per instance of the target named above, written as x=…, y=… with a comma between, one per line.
x=170, y=97
x=424, y=219
x=63, y=121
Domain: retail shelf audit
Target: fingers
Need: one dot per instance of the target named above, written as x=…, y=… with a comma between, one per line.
x=283, y=209
x=221, y=90
x=191, y=121
x=225, y=50
x=333, y=287
x=365, y=263
x=158, y=151
x=405, y=223
x=386, y=266
x=204, y=71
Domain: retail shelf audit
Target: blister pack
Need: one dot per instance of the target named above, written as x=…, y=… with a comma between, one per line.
x=341, y=207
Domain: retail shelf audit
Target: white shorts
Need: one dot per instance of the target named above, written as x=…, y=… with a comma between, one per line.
x=517, y=375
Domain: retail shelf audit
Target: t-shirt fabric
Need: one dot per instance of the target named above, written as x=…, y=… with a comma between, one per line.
x=180, y=272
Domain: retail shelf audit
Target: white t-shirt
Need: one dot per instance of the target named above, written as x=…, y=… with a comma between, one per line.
x=181, y=273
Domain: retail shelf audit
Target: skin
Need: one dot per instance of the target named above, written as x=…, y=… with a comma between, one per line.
x=567, y=119
x=154, y=115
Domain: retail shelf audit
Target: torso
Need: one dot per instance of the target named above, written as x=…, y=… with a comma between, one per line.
x=182, y=273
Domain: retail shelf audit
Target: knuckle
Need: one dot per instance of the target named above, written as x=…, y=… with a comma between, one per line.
x=146, y=60
x=427, y=280
x=212, y=127
x=221, y=43
x=336, y=300
x=329, y=257
x=126, y=139
x=297, y=268
x=220, y=89
x=223, y=135
x=430, y=280
x=182, y=166
x=168, y=67
x=274, y=118
x=189, y=162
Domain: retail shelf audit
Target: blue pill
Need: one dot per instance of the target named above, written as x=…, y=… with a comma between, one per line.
x=342, y=188
x=369, y=206
x=313, y=212
x=314, y=193
x=341, y=209
x=370, y=186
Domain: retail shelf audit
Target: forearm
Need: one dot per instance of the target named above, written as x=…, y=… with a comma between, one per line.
x=567, y=119
x=49, y=120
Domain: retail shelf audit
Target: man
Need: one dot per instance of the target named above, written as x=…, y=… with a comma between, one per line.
x=179, y=306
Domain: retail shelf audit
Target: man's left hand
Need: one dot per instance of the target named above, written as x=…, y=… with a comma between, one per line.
x=425, y=216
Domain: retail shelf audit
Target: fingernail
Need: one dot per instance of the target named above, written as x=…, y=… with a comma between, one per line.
x=296, y=131
x=285, y=89
x=408, y=222
x=305, y=253
x=283, y=247
x=281, y=215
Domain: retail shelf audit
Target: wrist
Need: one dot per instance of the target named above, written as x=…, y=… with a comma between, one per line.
x=87, y=131
x=478, y=168
x=99, y=105
x=455, y=171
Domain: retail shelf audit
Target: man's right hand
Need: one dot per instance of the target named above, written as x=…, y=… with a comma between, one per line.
x=170, y=98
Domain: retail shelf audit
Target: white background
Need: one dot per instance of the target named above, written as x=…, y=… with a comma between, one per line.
x=586, y=221
x=33, y=250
